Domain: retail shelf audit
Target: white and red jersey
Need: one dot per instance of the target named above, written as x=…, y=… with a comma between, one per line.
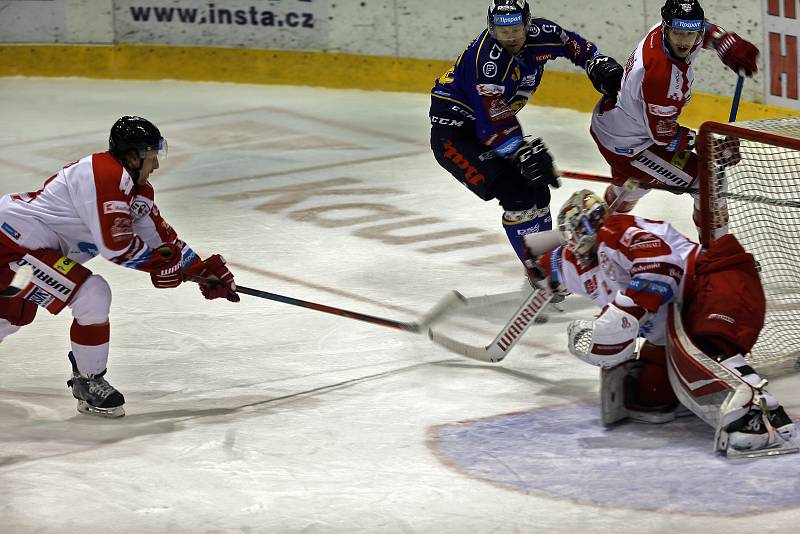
x=640, y=263
x=91, y=207
x=655, y=89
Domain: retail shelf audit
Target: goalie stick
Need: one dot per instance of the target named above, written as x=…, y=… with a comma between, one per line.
x=417, y=327
x=511, y=333
x=525, y=315
x=21, y=280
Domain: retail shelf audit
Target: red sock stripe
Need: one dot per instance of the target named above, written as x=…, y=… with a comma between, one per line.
x=90, y=336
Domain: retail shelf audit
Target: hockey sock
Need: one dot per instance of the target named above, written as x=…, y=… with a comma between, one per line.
x=518, y=224
x=90, y=346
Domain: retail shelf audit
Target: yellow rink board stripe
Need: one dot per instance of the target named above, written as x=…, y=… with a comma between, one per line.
x=346, y=71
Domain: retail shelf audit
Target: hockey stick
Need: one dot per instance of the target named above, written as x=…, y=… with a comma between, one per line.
x=21, y=280
x=443, y=306
x=525, y=315
x=499, y=348
x=737, y=96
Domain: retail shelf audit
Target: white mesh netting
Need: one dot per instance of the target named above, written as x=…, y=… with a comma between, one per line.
x=762, y=195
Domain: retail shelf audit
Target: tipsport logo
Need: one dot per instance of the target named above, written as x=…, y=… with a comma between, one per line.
x=508, y=20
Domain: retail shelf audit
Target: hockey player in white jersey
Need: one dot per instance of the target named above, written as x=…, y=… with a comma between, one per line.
x=638, y=131
x=100, y=205
x=636, y=269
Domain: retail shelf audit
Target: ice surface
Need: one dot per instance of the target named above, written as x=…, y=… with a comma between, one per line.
x=262, y=417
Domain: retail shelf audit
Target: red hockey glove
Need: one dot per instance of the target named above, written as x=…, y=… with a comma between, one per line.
x=167, y=273
x=738, y=54
x=222, y=284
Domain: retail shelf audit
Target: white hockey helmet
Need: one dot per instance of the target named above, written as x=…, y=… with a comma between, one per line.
x=579, y=220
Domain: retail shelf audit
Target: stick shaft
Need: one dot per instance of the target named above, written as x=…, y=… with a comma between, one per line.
x=435, y=313
x=381, y=321
x=737, y=96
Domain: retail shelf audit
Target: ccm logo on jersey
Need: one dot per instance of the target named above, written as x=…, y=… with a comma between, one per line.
x=662, y=111
x=444, y=121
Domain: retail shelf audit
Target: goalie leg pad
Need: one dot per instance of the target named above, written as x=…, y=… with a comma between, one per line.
x=720, y=396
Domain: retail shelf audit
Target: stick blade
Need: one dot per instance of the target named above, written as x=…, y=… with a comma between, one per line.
x=445, y=305
x=474, y=352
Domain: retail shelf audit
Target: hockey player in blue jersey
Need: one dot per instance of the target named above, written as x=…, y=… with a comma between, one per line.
x=475, y=134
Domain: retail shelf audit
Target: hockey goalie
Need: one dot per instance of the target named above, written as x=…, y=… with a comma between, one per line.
x=694, y=313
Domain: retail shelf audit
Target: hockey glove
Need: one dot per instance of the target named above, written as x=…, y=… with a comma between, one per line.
x=737, y=54
x=167, y=273
x=535, y=164
x=605, y=74
x=221, y=284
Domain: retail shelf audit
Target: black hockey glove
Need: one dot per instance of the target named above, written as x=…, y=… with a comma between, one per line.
x=535, y=164
x=605, y=74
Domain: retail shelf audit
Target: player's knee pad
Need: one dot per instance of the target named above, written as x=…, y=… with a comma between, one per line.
x=92, y=302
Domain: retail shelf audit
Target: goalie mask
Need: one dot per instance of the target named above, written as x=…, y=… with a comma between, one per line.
x=579, y=220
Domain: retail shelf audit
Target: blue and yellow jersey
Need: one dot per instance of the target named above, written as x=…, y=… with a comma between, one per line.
x=488, y=84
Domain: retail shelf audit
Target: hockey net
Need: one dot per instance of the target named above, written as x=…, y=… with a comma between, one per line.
x=761, y=196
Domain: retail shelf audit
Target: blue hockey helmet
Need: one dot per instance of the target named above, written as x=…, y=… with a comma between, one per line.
x=507, y=13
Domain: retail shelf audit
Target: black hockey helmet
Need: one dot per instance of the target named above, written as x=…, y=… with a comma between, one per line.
x=135, y=133
x=683, y=15
x=507, y=13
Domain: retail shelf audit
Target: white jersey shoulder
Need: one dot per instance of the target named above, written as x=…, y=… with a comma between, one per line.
x=655, y=89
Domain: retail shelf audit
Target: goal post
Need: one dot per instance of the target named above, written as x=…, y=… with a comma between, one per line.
x=750, y=181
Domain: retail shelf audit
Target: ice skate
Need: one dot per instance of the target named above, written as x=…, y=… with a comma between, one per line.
x=95, y=395
x=755, y=430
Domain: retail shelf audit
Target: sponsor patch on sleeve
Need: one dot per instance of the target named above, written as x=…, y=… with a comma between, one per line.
x=116, y=206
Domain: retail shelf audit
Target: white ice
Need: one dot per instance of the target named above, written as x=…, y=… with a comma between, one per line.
x=263, y=417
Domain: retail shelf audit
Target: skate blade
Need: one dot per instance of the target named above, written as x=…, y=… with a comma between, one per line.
x=87, y=409
x=778, y=449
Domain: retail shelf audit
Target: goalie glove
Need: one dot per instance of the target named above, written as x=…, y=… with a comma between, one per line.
x=607, y=341
x=605, y=74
